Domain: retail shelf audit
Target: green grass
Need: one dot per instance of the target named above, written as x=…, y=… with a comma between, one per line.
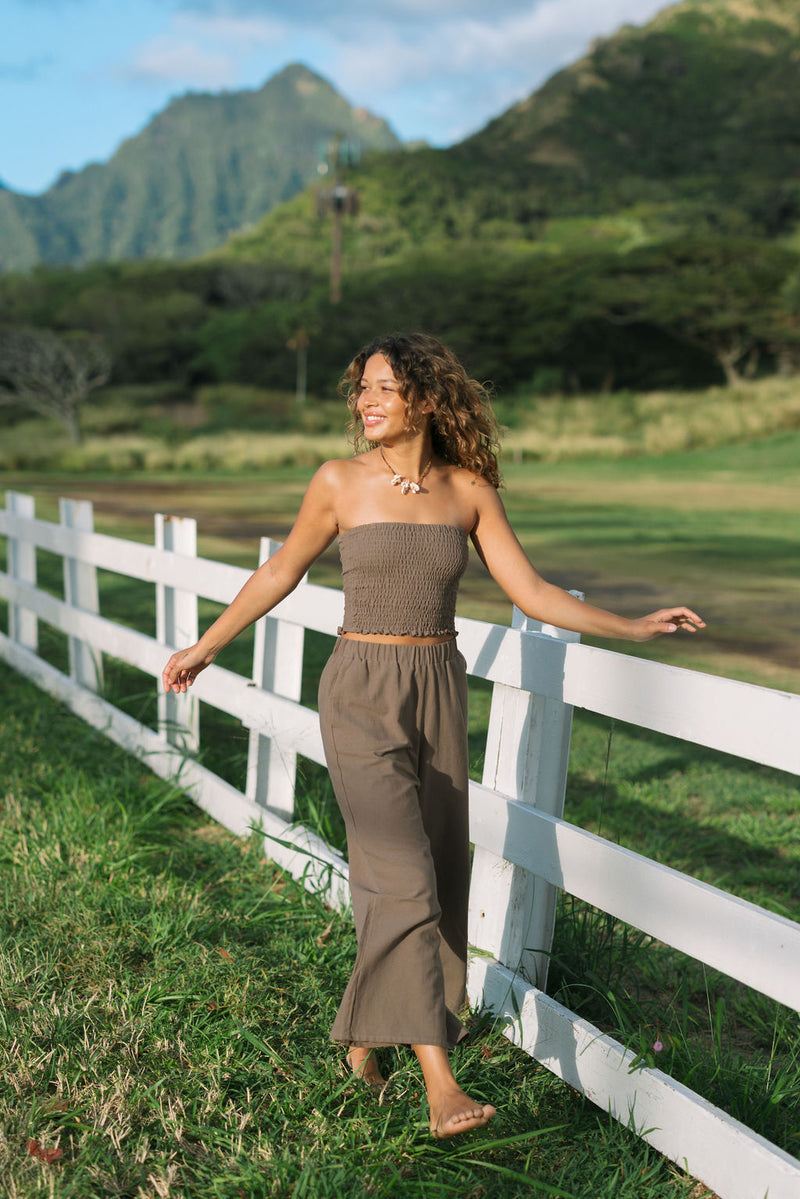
x=120, y=897
x=731, y=824
x=166, y=1000
x=234, y=429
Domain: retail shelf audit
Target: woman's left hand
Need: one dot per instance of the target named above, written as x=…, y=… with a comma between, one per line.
x=665, y=620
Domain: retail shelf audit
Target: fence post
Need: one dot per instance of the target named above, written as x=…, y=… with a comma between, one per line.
x=177, y=625
x=277, y=667
x=23, y=626
x=80, y=591
x=512, y=913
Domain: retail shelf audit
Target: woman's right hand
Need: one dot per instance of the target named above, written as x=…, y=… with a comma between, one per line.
x=184, y=667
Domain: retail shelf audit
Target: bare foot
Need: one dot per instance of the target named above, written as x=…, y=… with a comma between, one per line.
x=455, y=1112
x=364, y=1065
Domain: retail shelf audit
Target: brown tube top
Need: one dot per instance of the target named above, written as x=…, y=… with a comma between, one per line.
x=401, y=578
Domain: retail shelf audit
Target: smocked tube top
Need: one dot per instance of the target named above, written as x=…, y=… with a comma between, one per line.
x=401, y=578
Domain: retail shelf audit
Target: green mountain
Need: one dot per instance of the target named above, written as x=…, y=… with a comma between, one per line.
x=688, y=124
x=635, y=223
x=701, y=105
x=205, y=166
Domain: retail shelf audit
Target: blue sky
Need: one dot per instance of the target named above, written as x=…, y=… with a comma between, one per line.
x=79, y=76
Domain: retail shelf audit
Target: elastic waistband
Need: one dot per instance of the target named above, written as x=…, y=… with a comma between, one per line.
x=408, y=654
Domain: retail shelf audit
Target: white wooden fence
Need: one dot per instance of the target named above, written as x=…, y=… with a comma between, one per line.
x=524, y=850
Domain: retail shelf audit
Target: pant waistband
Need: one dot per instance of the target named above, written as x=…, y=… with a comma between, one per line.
x=379, y=651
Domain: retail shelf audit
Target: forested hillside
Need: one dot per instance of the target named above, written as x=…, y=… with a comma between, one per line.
x=690, y=124
x=633, y=224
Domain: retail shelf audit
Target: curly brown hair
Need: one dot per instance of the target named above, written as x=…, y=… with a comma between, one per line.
x=463, y=426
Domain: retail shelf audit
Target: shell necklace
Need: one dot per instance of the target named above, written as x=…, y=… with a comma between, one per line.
x=404, y=483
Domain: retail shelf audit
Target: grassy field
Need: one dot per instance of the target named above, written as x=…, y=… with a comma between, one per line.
x=166, y=996
x=239, y=429
x=166, y=993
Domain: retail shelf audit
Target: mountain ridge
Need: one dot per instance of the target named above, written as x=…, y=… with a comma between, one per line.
x=204, y=166
x=689, y=122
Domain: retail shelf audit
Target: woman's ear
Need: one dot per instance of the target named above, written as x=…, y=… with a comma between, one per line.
x=426, y=408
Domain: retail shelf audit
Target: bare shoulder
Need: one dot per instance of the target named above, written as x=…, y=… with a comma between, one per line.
x=332, y=476
x=465, y=481
x=342, y=470
x=473, y=490
x=328, y=492
x=331, y=471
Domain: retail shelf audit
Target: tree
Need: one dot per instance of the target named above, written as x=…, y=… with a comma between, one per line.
x=786, y=347
x=722, y=296
x=51, y=375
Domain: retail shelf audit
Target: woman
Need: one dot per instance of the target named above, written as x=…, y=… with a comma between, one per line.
x=393, y=695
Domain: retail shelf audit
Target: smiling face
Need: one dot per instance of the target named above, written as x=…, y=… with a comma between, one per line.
x=410, y=385
x=380, y=405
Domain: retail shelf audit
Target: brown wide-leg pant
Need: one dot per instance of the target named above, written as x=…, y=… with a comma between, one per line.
x=394, y=728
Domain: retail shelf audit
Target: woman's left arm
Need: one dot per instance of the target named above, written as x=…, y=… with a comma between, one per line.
x=507, y=562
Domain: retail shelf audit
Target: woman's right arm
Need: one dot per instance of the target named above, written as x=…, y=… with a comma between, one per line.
x=313, y=531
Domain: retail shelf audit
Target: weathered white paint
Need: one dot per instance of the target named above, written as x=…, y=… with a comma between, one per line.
x=22, y=626
x=512, y=912
x=177, y=625
x=314, y=607
x=747, y=942
x=221, y=688
x=756, y=723
x=526, y=760
x=80, y=591
x=729, y=1157
x=277, y=667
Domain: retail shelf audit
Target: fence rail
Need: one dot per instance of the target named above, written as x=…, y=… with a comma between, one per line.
x=524, y=849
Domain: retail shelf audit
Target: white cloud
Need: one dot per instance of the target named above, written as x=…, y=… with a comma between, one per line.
x=553, y=30
x=461, y=66
x=426, y=15
x=169, y=60
x=346, y=12
x=373, y=48
x=203, y=49
x=225, y=26
x=435, y=68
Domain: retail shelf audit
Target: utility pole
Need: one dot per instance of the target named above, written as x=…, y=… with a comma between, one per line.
x=338, y=200
x=300, y=342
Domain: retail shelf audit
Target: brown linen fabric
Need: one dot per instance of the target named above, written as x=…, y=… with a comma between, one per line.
x=401, y=577
x=394, y=728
